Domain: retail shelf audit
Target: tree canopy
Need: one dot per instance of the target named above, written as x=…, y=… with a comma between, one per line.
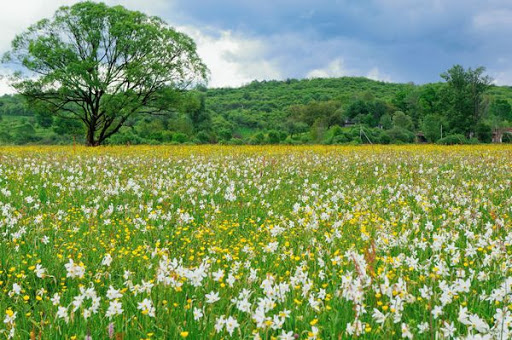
x=102, y=65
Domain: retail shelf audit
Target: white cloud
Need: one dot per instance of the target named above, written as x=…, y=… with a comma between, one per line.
x=233, y=60
x=376, y=74
x=502, y=77
x=337, y=68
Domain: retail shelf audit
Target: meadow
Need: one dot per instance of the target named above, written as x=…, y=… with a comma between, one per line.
x=256, y=242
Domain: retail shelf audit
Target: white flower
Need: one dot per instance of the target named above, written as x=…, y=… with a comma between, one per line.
x=231, y=325
x=219, y=323
x=286, y=336
x=479, y=324
x=113, y=293
x=40, y=271
x=16, y=288
x=146, y=306
x=62, y=313
x=313, y=334
x=423, y=327
x=448, y=330
x=74, y=270
x=378, y=316
x=115, y=308
x=10, y=317
x=107, y=260
x=438, y=310
x=218, y=275
x=198, y=313
x=55, y=299
x=406, y=333
x=212, y=297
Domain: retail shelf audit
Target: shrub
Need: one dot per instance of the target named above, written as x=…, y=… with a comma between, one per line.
x=399, y=135
x=203, y=137
x=180, y=138
x=484, y=133
x=273, y=137
x=452, y=140
x=258, y=138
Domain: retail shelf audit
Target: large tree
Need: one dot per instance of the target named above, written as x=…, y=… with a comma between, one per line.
x=464, y=97
x=101, y=65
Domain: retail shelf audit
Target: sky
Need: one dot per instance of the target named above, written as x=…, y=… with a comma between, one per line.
x=388, y=40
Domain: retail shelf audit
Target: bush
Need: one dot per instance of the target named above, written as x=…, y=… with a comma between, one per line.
x=125, y=138
x=180, y=138
x=340, y=139
x=258, y=138
x=203, y=137
x=399, y=135
x=225, y=134
x=507, y=138
x=484, y=133
x=453, y=140
x=384, y=138
x=167, y=136
x=235, y=141
x=273, y=137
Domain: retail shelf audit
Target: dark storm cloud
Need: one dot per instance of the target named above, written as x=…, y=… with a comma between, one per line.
x=409, y=40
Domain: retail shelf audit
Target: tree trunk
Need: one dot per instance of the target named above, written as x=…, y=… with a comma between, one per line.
x=90, y=138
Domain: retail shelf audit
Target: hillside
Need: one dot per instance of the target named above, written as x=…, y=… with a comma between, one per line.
x=302, y=111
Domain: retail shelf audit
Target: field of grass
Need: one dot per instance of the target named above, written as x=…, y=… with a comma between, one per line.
x=275, y=242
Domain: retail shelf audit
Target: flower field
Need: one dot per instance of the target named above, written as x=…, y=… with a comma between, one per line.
x=274, y=242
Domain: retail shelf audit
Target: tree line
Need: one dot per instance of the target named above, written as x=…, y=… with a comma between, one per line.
x=465, y=108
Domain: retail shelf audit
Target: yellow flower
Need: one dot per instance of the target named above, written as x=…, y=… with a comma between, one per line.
x=184, y=334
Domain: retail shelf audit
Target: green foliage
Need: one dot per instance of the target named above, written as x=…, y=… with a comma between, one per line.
x=258, y=138
x=463, y=97
x=484, y=133
x=180, y=138
x=400, y=135
x=101, y=65
x=323, y=111
x=453, y=139
x=402, y=121
x=274, y=137
x=431, y=127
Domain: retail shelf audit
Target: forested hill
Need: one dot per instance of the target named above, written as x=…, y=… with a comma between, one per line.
x=330, y=111
x=266, y=96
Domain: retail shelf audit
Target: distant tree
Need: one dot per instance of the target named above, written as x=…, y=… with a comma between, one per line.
x=295, y=127
x=101, y=65
x=501, y=109
x=386, y=122
x=196, y=110
x=464, y=97
x=402, y=121
x=431, y=127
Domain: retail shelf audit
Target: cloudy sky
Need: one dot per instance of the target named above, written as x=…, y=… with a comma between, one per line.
x=390, y=40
